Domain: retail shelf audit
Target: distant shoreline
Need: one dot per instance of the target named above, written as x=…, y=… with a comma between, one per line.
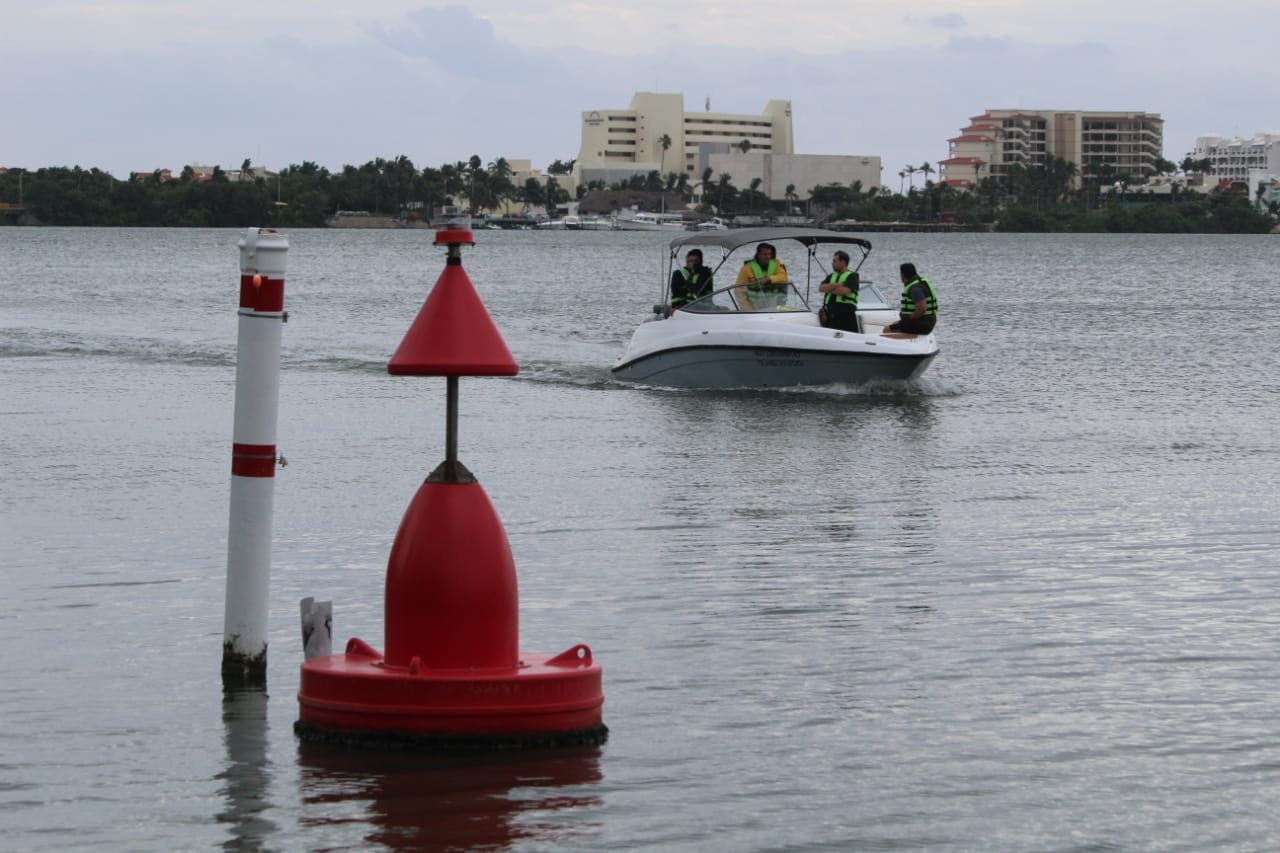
x=374, y=222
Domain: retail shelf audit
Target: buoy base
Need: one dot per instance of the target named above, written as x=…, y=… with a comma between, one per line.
x=404, y=742
x=356, y=699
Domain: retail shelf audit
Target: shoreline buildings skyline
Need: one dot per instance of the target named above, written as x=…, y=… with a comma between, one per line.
x=656, y=133
x=617, y=143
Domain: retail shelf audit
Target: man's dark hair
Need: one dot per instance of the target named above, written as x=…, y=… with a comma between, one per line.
x=909, y=271
x=843, y=255
x=694, y=253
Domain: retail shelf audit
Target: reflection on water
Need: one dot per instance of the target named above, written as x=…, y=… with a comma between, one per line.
x=458, y=802
x=247, y=777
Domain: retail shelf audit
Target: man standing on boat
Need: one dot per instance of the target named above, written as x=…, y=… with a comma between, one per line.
x=692, y=281
x=764, y=280
x=840, y=300
x=919, y=312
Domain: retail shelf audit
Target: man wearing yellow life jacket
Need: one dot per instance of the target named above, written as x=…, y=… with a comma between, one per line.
x=840, y=295
x=919, y=311
x=763, y=280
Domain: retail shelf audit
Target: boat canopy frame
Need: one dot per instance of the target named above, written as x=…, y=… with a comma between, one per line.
x=730, y=241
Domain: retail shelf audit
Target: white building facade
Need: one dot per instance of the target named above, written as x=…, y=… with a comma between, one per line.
x=790, y=177
x=1234, y=158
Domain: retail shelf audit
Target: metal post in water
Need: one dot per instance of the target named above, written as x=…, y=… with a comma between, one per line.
x=253, y=455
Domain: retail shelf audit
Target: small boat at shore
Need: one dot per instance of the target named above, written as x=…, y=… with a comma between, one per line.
x=722, y=341
x=644, y=221
x=599, y=223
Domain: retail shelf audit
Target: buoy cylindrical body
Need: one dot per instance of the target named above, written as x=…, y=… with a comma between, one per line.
x=253, y=453
x=451, y=596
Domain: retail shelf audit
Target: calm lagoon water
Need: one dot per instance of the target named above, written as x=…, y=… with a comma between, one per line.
x=1026, y=603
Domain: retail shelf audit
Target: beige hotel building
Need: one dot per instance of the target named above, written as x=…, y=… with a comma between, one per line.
x=1130, y=142
x=619, y=143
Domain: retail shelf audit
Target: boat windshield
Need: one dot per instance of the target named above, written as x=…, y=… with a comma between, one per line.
x=871, y=299
x=782, y=297
x=740, y=299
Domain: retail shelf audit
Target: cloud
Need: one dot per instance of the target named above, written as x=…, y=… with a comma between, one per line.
x=451, y=37
x=439, y=82
x=947, y=22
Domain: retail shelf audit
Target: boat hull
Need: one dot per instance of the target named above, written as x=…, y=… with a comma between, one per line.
x=772, y=349
x=768, y=367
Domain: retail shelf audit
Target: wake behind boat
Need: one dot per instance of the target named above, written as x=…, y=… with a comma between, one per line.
x=723, y=341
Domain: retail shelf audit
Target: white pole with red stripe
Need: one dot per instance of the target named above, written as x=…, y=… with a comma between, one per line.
x=253, y=454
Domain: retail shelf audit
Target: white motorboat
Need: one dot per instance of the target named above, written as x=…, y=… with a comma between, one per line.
x=599, y=223
x=715, y=223
x=717, y=341
x=644, y=221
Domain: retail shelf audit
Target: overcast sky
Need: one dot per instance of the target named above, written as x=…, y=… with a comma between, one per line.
x=135, y=85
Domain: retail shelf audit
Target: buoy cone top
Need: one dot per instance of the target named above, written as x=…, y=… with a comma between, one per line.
x=453, y=334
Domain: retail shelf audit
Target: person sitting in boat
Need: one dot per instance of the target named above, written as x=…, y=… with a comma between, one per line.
x=919, y=312
x=763, y=280
x=692, y=281
x=840, y=300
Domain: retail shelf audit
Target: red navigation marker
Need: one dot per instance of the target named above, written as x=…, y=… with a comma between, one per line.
x=452, y=676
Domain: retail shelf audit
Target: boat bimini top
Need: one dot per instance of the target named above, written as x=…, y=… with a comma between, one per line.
x=729, y=241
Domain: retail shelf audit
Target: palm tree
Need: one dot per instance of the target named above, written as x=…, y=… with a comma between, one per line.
x=500, y=168
x=977, y=166
x=745, y=145
x=927, y=170
x=455, y=180
x=756, y=195
x=723, y=184
x=429, y=186
x=534, y=195
x=665, y=141
x=790, y=195
x=911, y=174
x=706, y=181
x=400, y=173
x=477, y=185
x=682, y=185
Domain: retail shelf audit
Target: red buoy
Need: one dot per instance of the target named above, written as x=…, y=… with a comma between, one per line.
x=452, y=675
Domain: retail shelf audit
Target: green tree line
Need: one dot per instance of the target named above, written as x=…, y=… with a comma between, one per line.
x=299, y=196
x=1055, y=197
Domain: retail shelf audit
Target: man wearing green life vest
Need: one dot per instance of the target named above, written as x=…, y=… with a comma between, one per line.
x=690, y=282
x=762, y=280
x=919, y=311
x=840, y=296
